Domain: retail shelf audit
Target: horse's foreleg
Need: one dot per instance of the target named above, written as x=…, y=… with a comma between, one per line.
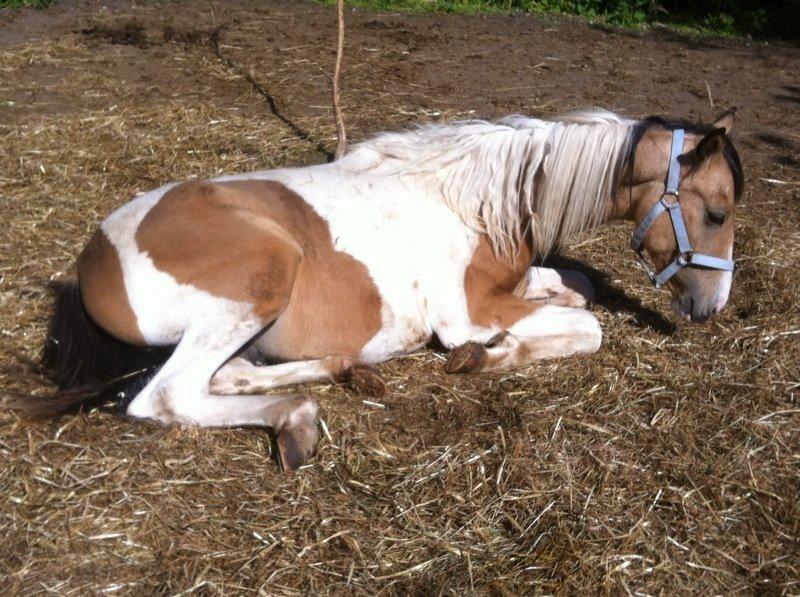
x=565, y=288
x=240, y=376
x=546, y=332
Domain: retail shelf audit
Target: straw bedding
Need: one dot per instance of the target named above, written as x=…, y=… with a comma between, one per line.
x=668, y=462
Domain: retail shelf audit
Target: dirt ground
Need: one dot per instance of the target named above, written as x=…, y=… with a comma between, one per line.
x=667, y=463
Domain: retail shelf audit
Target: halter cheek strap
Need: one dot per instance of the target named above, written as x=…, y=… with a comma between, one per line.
x=686, y=257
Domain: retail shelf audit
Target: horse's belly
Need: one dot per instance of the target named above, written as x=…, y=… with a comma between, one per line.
x=387, y=344
x=331, y=314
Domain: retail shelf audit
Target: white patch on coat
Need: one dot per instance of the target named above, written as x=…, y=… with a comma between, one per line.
x=724, y=286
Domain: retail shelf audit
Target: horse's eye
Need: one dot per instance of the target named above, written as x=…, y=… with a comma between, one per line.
x=715, y=217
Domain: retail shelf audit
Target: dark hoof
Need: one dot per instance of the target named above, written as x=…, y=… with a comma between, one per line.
x=467, y=358
x=365, y=379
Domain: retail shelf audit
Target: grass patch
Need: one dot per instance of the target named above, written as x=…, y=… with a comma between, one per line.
x=22, y=3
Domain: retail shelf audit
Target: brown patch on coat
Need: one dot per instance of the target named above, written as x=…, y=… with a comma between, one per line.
x=492, y=287
x=220, y=241
x=259, y=242
x=103, y=292
x=335, y=308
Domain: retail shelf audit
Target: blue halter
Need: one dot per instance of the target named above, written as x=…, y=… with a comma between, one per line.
x=686, y=257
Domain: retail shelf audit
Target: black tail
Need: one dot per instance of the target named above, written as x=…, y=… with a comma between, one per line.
x=87, y=364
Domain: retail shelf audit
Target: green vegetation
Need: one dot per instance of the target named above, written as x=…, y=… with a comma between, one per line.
x=759, y=19
x=776, y=19
x=21, y=3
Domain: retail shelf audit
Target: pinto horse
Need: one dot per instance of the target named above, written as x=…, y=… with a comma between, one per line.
x=325, y=270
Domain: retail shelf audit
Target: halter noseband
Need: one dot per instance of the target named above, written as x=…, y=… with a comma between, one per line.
x=686, y=257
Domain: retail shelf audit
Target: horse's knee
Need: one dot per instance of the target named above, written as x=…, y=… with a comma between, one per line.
x=577, y=282
x=587, y=332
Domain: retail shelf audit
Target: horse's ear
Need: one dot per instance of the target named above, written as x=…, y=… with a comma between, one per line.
x=712, y=143
x=726, y=120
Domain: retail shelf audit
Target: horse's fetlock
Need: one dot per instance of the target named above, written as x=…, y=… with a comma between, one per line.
x=338, y=367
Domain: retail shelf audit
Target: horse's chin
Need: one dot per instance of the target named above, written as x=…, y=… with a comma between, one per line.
x=676, y=307
x=685, y=309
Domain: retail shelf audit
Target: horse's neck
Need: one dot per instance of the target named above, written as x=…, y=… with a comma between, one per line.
x=622, y=206
x=576, y=191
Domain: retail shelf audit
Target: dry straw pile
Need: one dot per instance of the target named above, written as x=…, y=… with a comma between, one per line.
x=667, y=462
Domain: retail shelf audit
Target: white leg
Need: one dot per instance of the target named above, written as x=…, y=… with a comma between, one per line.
x=179, y=392
x=240, y=376
x=548, y=332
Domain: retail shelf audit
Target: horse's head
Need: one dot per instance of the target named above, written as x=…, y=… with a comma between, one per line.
x=681, y=186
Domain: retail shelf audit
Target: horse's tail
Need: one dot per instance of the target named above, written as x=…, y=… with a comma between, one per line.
x=87, y=364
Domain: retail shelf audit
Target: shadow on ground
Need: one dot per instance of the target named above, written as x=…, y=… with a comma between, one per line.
x=614, y=298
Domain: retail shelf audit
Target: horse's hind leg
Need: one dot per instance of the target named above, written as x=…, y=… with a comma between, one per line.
x=179, y=393
x=240, y=376
x=217, y=329
x=226, y=270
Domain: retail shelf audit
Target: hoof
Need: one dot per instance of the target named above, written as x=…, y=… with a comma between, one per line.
x=467, y=358
x=365, y=379
x=296, y=445
x=297, y=438
x=580, y=284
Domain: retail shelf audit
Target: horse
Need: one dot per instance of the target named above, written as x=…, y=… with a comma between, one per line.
x=212, y=293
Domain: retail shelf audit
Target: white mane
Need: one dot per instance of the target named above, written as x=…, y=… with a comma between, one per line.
x=494, y=175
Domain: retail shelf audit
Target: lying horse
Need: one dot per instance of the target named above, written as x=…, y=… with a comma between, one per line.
x=325, y=270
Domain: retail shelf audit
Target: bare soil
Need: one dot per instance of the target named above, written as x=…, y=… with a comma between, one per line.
x=667, y=463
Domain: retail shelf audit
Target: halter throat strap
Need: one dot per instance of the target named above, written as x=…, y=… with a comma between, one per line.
x=669, y=203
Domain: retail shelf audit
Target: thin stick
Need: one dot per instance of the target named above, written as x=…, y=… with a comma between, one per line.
x=710, y=99
x=341, y=145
